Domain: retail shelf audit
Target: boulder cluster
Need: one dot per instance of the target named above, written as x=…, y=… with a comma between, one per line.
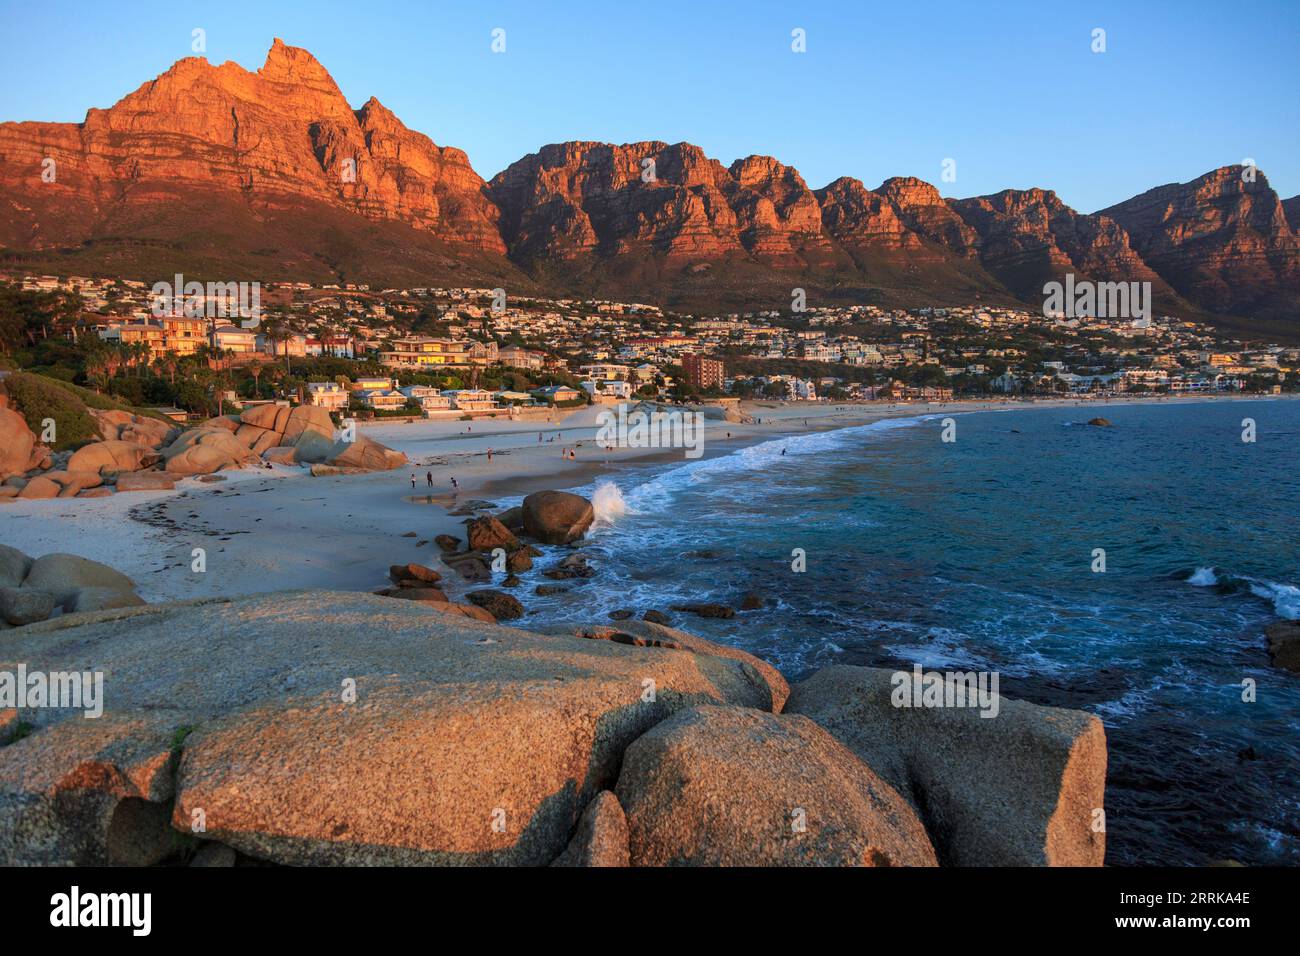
x=137, y=453
x=317, y=727
x=493, y=544
x=32, y=589
x=499, y=544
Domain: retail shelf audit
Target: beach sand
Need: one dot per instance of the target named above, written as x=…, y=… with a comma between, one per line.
x=280, y=529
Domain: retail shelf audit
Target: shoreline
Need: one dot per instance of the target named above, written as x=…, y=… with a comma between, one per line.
x=282, y=529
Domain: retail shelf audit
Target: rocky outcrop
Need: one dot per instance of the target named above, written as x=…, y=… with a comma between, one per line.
x=726, y=786
x=207, y=449
x=502, y=606
x=1284, y=645
x=483, y=744
x=1028, y=237
x=30, y=590
x=1222, y=240
x=278, y=140
x=364, y=454
x=486, y=533
x=19, y=450
x=112, y=456
x=118, y=425
x=486, y=750
x=556, y=517
x=1022, y=788
x=275, y=433
x=654, y=634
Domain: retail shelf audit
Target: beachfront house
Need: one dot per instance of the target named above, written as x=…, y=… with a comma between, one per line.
x=557, y=394
x=471, y=399
x=608, y=389
x=381, y=399
x=328, y=395
x=434, y=403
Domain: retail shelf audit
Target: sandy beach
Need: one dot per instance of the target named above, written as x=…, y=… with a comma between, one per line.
x=279, y=529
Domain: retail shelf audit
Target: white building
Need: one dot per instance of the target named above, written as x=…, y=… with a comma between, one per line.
x=330, y=395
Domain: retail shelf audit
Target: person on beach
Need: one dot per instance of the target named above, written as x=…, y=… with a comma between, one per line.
x=455, y=488
x=412, y=481
x=428, y=477
x=489, y=454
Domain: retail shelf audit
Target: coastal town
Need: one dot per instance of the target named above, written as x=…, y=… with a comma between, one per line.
x=463, y=353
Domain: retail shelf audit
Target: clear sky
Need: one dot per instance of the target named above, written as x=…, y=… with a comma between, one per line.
x=1011, y=91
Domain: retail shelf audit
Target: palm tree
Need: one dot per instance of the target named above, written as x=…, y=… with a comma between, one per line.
x=256, y=371
x=97, y=371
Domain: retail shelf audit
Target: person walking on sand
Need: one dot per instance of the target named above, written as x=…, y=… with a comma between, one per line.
x=428, y=477
x=455, y=488
x=489, y=454
x=412, y=481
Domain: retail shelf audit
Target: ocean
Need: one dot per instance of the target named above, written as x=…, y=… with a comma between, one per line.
x=983, y=553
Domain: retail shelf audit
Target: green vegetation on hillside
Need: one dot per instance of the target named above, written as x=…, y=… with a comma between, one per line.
x=39, y=397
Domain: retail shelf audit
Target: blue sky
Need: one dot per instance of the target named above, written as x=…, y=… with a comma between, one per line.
x=1011, y=91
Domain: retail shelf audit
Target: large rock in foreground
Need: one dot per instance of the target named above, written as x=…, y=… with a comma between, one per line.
x=556, y=517
x=659, y=635
x=66, y=576
x=324, y=727
x=1018, y=789
x=726, y=786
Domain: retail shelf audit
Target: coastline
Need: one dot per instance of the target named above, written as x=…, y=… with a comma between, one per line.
x=288, y=530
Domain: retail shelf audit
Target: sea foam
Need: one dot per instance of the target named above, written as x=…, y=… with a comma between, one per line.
x=607, y=501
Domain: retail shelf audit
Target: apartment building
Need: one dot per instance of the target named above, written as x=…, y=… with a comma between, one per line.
x=231, y=338
x=703, y=372
x=181, y=336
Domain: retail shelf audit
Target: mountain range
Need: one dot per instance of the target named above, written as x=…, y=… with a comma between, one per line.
x=223, y=173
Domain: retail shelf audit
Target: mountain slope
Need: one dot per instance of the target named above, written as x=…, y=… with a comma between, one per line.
x=1220, y=240
x=204, y=155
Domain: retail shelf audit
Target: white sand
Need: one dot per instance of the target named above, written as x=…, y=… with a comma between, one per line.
x=282, y=529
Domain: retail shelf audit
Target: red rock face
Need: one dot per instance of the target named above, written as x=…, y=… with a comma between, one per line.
x=1029, y=237
x=920, y=207
x=272, y=174
x=1223, y=242
x=284, y=134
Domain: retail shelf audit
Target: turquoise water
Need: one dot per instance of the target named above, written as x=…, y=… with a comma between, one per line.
x=979, y=554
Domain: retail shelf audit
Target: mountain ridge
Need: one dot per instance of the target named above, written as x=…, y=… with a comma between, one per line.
x=274, y=174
